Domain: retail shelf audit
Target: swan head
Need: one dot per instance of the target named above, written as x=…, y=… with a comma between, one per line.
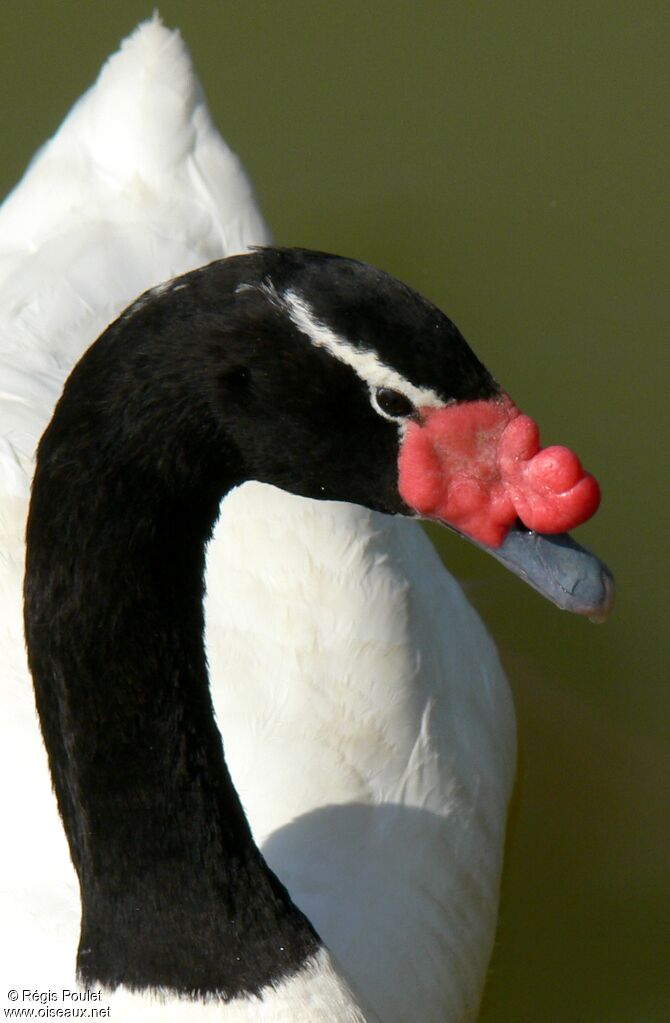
x=333, y=380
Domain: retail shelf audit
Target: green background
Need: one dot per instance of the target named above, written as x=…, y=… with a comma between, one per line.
x=506, y=159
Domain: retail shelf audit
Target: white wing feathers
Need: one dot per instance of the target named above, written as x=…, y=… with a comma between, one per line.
x=135, y=187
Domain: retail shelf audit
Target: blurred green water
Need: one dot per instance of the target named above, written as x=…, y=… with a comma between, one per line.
x=507, y=160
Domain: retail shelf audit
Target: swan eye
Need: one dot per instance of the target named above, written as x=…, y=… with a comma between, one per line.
x=393, y=404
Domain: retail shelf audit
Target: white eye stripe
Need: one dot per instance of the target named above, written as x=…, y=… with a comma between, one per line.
x=366, y=364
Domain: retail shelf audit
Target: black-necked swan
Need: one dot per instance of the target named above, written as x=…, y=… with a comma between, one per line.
x=314, y=373
x=357, y=754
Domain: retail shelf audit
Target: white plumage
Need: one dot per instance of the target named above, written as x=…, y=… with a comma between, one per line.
x=366, y=720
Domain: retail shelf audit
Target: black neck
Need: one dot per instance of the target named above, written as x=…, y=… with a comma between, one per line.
x=174, y=891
